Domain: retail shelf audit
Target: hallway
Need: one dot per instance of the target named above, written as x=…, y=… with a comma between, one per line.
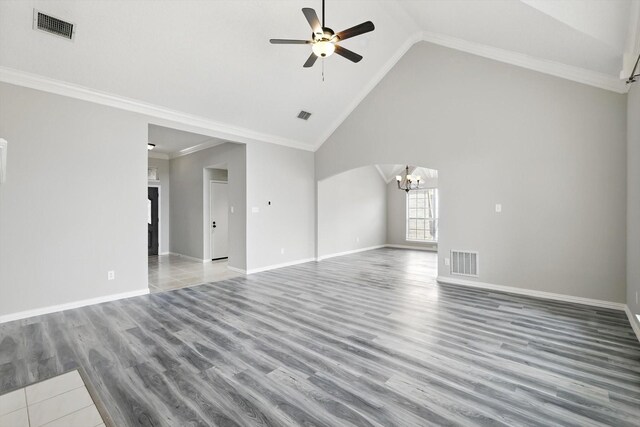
x=173, y=272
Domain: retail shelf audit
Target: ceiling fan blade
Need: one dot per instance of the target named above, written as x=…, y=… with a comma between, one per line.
x=313, y=20
x=351, y=56
x=286, y=41
x=312, y=60
x=365, y=27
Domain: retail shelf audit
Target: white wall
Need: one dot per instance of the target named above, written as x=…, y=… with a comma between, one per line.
x=165, y=196
x=189, y=218
x=74, y=203
x=284, y=176
x=552, y=151
x=352, y=211
x=633, y=199
x=397, y=215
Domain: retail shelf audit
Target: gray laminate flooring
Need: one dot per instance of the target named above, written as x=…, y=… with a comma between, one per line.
x=365, y=339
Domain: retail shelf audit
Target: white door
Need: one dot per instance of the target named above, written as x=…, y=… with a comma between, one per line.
x=219, y=219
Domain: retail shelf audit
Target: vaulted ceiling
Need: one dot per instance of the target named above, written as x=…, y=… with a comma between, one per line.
x=211, y=60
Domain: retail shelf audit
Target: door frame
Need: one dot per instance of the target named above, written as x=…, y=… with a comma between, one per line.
x=159, y=187
x=215, y=181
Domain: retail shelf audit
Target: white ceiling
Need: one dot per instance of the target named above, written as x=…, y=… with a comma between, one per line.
x=211, y=60
x=173, y=142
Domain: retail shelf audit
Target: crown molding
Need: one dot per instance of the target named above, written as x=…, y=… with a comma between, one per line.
x=156, y=155
x=195, y=148
x=568, y=72
x=219, y=130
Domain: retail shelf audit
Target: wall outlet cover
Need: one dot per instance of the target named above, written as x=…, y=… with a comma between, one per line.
x=498, y=207
x=447, y=261
x=111, y=275
x=255, y=209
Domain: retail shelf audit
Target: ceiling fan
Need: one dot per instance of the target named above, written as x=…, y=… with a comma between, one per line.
x=324, y=41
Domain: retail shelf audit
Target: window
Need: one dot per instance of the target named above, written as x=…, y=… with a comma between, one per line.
x=422, y=215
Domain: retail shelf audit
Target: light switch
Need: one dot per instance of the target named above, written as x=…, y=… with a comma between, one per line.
x=255, y=209
x=498, y=207
x=231, y=209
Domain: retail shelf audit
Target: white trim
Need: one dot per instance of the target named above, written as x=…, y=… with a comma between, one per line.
x=157, y=155
x=189, y=257
x=569, y=72
x=634, y=322
x=67, y=306
x=532, y=293
x=354, y=251
x=419, y=248
x=275, y=266
x=220, y=130
x=237, y=270
x=190, y=150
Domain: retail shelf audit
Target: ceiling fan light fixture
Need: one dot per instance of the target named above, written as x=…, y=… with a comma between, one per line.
x=323, y=48
x=151, y=146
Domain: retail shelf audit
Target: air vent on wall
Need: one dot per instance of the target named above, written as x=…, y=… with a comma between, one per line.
x=304, y=115
x=51, y=25
x=464, y=263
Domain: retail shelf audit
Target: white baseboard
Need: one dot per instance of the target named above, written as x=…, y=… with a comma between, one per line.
x=320, y=258
x=532, y=293
x=237, y=270
x=417, y=248
x=189, y=257
x=635, y=323
x=67, y=306
x=284, y=264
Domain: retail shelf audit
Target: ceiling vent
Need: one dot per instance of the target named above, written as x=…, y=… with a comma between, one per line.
x=304, y=115
x=51, y=25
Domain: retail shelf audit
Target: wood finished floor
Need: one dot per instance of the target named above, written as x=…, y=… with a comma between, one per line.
x=365, y=339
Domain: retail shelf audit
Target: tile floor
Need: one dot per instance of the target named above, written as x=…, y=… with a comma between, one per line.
x=61, y=401
x=173, y=272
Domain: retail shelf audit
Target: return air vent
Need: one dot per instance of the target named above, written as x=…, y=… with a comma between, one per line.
x=464, y=263
x=51, y=25
x=304, y=115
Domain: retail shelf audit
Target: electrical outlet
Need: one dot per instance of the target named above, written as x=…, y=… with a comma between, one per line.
x=231, y=209
x=498, y=207
x=282, y=251
x=255, y=209
x=447, y=261
x=111, y=275
x=357, y=240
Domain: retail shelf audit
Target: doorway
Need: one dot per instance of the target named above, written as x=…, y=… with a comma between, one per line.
x=219, y=219
x=152, y=220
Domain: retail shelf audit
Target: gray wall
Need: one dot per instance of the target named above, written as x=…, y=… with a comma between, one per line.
x=284, y=176
x=163, y=172
x=74, y=203
x=188, y=192
x=352, y=211
x=553, y=152
x=633, y=199
x=397, y=215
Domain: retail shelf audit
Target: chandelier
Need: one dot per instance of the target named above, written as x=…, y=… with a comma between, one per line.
x=409, y=182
